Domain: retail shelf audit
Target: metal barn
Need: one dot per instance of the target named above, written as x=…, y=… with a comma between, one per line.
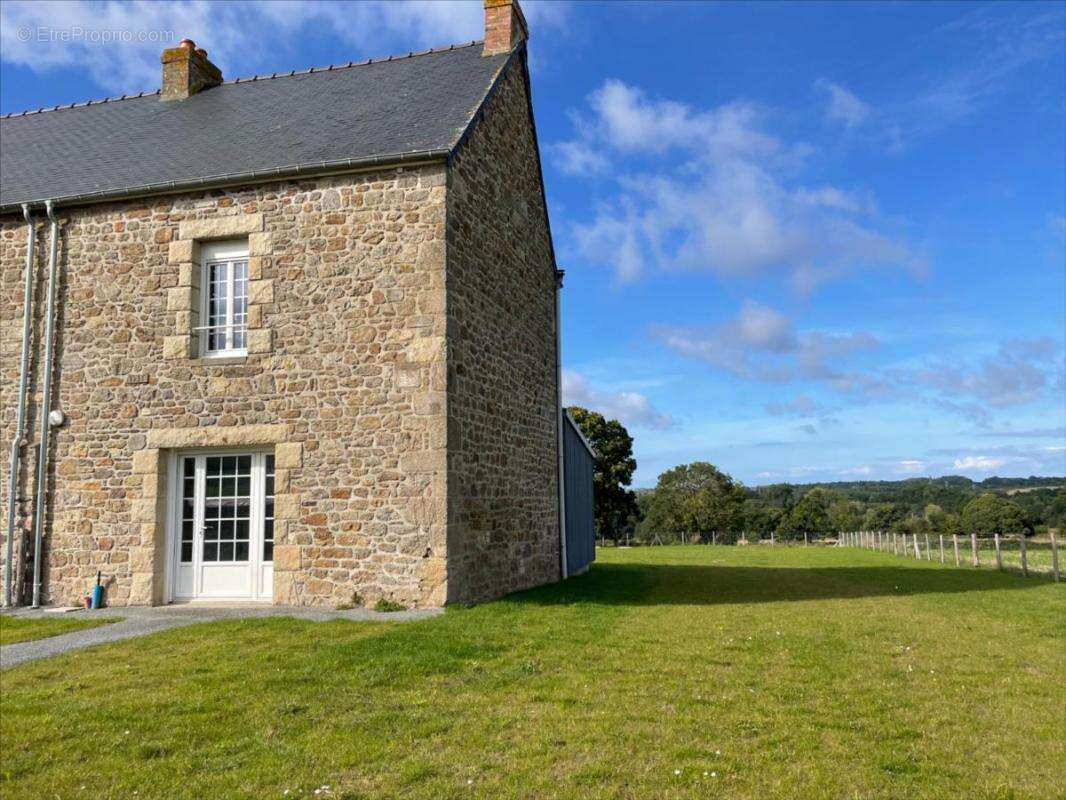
x=578, y=505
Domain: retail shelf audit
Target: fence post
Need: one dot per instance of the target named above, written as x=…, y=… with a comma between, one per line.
x=999, y=555
x=805, y=538
x=1025, y=561
x=771, y=538
x=973, y=547
x=955, y=542
x=927, y=556
x=917, y=552
x=1054, y=557
x=941, y=548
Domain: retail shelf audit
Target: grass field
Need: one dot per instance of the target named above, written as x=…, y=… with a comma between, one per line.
x=23, y=629
x=667, y=672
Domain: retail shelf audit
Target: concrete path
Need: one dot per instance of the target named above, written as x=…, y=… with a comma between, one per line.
x=135, y=621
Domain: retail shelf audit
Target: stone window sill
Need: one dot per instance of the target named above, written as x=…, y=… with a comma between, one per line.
x=219, y=362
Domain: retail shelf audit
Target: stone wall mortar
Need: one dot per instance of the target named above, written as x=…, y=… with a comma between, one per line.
x=354, y=368
x=502, y=380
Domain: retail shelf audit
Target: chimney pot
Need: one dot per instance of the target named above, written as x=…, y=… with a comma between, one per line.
x=505, y=26
x=186, y=71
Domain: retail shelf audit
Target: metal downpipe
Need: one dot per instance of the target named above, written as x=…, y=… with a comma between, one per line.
x=46, y=403
x=20, y=421
x=559, y=421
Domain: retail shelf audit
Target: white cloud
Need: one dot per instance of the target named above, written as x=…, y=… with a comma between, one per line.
x=863, y=470
x=800, y=406
x=997, y=48
x=979, y=463
x=762, y=344
x=240, y=37
x=630, y=408
x=843, y=106
x=578, y=157
x=1019, y=372
x=720, y=198
x=910, y=466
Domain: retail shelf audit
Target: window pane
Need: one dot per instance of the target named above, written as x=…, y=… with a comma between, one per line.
x=218, y=301
x=210, y=551
x=240, y=302
x=211, y=531
x=186, y=552
x=225, y=551
x=268, y=509
x=241, y=551
x=214, y=464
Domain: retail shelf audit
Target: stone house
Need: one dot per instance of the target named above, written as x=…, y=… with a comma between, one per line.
x=291, y=338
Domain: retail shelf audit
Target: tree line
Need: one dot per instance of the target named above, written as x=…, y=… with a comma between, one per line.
x=700, y=500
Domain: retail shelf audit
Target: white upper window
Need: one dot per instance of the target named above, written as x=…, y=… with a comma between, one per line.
x=224, y=299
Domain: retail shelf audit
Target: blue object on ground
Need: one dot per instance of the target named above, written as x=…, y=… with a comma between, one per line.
x=98, y=596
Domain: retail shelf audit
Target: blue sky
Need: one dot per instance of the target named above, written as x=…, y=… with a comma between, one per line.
x=802, y=241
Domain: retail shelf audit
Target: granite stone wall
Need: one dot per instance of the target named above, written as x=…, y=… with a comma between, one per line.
x=503, y=526
x=345, y=379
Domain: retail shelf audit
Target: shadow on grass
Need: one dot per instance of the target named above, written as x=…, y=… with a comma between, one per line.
x=687, y=584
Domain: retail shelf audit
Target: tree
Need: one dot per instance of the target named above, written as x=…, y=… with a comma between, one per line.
x=882, y=516
x=844, y=516
x=1056, y=512
x=759, y=519
x=616, y=505
x=811, y=515
x=991, y=513
x=696, y=498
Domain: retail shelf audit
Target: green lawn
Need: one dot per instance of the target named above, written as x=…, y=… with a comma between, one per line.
x=681, y=672
x=23, y=629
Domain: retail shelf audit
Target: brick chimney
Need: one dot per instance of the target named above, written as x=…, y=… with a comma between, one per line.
x=505, y=26
x=187, y=71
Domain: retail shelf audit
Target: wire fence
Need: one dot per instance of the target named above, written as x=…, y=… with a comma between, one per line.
x=645, y=538
x=1006, y=553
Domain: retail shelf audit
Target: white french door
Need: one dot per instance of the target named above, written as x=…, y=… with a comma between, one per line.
x=223, y=527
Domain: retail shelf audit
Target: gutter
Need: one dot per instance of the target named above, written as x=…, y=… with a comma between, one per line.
x=316, y=169
x=46, y=403
x=560, y=412
x=20, y=420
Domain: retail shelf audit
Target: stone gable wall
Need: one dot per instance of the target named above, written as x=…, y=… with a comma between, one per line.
x=503, y=529
x=348, y=384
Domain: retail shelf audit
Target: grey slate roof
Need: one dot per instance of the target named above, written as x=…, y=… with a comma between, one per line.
x=378, y=111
